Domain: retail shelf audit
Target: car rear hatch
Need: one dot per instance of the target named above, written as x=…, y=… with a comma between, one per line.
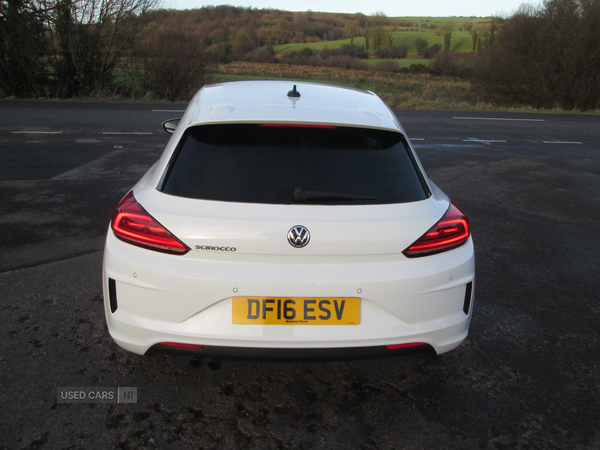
x=245, y=186
x=243, y=228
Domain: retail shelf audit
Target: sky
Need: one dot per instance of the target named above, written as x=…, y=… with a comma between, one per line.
x=391, y=8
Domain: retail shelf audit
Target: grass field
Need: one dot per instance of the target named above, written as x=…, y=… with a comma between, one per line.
x=398, y=90
x=461, y=39
x=316, y=45
x=461, y=42
x=407, y=91
x=402, y=63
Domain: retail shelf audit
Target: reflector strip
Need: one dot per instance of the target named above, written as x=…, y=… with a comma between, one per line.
x=181, y=345
x=410, y=344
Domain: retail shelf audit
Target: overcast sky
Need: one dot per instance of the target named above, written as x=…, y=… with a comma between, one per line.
x=391, y=8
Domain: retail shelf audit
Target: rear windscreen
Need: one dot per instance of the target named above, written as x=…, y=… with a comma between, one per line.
x=282, y=164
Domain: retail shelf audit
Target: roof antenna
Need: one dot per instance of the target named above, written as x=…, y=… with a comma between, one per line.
x=293, y=93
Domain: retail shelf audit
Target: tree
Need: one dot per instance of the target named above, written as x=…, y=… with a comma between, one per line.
x=22, y=47
x=490, y=35
x=391, y=34
x=243, y=36
x=421, y=46
x=432, y=51
x=392, y=52
x=363, y=21
x=281, y=32
x=91, y=37
x=367, y=34
x=377, y=30
x=173, y=66
x=545, y=57
x=447, y=29
x=352, y=29
x=475, y=38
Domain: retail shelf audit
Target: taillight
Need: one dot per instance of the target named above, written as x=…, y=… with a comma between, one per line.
x=132, y=223
x=296, y=125
x=450, y=232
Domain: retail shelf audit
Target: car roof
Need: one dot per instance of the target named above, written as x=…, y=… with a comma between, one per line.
x=268, y=101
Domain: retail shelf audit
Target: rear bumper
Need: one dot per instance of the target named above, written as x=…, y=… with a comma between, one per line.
x=164, y=298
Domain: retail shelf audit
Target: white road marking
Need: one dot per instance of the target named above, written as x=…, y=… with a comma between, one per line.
x=36, y=132
x=168, y=110
x=486, y=141
x=94, y=169
x=500, y=118
x=120, y=132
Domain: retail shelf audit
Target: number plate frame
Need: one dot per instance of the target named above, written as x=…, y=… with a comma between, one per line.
x=296, y=311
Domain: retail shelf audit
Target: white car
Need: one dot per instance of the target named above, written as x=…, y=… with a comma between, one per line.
x=287, y=221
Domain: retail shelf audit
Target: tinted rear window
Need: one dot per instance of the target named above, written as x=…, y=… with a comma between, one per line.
x=254, y=163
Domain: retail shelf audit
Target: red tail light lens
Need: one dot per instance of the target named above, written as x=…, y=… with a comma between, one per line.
x=450, y=232
x=299, y=125
x=183, y=346
x=409, y=345
x=132, y=224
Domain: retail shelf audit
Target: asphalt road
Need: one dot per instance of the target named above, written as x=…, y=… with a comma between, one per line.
x=527, y=376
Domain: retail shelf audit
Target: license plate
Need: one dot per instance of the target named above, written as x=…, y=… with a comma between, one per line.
x=296, y=311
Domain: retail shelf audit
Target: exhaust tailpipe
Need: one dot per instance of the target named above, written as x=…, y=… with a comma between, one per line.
x=214, y=364
x=196, y=363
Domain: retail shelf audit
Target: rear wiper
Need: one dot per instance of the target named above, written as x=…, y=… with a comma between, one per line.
x=300, y=195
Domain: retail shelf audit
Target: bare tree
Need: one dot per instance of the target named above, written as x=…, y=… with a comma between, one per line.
x=89, y=39
x=22, y=48
x=172, y=67
x=545, y=56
